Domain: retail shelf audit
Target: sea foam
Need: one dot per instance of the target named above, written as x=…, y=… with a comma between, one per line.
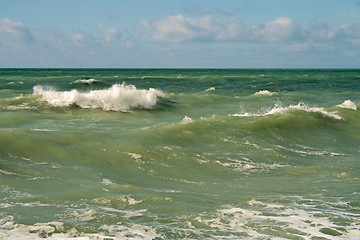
x=56, y=230
x=299, y=107
x=186, y=120
x=87, y=81
x=210, y=89
x=119, y=97
x=294, y=220
x=264, y=92
x=348, y=104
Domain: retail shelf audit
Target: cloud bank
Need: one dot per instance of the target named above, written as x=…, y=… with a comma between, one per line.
x=209, y=29
x=173, y=39
x=179, y=28
x=313, y=44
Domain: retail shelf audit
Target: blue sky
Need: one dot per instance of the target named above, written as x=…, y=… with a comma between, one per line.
x=169, y=33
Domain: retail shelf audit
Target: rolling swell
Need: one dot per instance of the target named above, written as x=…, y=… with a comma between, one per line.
x=203, y=154
x=296, y=117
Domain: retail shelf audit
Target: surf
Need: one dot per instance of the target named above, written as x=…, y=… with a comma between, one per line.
x=300, y=107
x=119, y=97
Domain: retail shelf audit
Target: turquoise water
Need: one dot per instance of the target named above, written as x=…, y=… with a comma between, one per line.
x=179, y=154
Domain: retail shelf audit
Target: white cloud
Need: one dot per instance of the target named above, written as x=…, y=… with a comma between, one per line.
x=15, y=31
x=207, y=28
x=179, y=28
x=78, y=39
x=320, y=31
x=111, y=34
x=280, y=29
x=230, y=43
x=57, y=41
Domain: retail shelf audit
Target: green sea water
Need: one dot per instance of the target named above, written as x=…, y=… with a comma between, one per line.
x=179, y=154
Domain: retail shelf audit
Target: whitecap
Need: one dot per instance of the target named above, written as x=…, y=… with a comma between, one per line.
x=86, y=81
x=264, y=92
x=135, y=156
x=186, y=120
x=107, y=182
x=348, y=105
x=300, y=106
x=42, y=130
x=119, y=97
x=210, y=89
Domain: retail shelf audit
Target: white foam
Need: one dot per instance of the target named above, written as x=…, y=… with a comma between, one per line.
x=210, y=89
x=86, y=215
x=132, y=201
x=42, y=130
x=56, y=231
x=309, y=151
x=264, y=92
x=135, y=156
x=7, y=173
x=275, y=220
x=87, y=81
x=245, y=165
x=20, y=107
x=126, y=213
x=107, y=182
x=348, y=105
x=300, y=107
x=119, y=97
x=186, y=120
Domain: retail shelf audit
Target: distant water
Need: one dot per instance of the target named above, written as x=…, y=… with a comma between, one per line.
x=179, y=154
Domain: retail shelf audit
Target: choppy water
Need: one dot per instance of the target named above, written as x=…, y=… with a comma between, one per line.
x=179, y=153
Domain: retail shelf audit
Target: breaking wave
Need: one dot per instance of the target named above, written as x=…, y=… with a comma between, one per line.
x=264, y=92
x=186, y=120
x=348, y=104
x=119, y=97
x=87, y=81
x=210, y=89
x=299, y=107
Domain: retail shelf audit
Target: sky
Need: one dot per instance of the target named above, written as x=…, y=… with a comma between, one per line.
x=180, y=33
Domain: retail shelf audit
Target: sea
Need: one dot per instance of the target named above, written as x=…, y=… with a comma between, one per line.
x=180, y=154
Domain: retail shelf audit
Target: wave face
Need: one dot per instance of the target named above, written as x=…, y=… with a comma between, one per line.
x=116, y=98
x=179, y=154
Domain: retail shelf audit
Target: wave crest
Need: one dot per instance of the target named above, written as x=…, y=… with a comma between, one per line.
x=186, y=120
x=119, y=97
x=300, y=107
x=86, y=81
x=264, y=92
x=348, y=105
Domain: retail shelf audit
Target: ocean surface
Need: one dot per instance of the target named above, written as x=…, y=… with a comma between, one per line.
x=179, y=154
